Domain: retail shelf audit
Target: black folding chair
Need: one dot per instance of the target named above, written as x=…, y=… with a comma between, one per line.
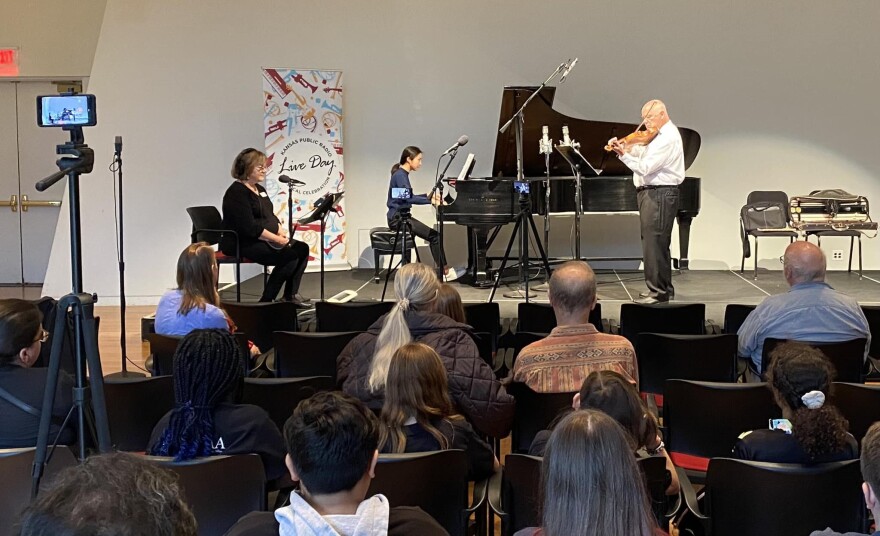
x=663, y=357
x=860, y=404
x=134, y=406
x=515, y=493
x=259, y=320
x=735, y=315
x=534, y=412
x=162, y=348
x=299, y=355
x=672, y=318
x=540, y=318
x=848, y=357
x=351, y=316
x=280, y=396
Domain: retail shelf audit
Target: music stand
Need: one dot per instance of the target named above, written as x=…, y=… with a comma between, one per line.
x=581, y=168
x=322, y=209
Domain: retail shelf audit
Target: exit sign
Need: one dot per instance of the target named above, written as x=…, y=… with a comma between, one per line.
x=8, y=61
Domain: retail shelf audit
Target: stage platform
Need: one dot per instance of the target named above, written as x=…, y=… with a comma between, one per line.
x=714, y=288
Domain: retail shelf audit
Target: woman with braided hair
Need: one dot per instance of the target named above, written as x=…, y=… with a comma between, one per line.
x=812, y=430
x=362, y=367
x=206, y=420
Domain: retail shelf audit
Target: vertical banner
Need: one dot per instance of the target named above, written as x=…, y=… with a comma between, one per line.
x=302, y=117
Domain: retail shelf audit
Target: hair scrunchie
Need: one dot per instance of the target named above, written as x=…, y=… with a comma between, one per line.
x=403, y=304
x=813, y=399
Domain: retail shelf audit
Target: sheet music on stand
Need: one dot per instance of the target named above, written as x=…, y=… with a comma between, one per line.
x=577, y=161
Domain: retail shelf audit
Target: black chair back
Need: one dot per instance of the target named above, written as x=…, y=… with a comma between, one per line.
x=299, y=355
x=745, y=497
x=280, y=396
x=685, y=357
x=259, y=320
x=15, y=493
x=675, y=319
x=704, y=419
x=162, y=348
x=848, y=357
x=484, y=317
x=540, y=318
x=521, y=493
x=206, y=222
x=436, y=482
x=134, y=406
x=859, y=403
x=351, y=316
x=219, y=489
x=534, y=412
x=735, y=315
x=657, y=480
x=486, y=345
x=872, y=314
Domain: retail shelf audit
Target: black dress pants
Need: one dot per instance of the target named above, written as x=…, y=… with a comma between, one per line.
x=289, y=262
x=657, y=210
x=428, y=233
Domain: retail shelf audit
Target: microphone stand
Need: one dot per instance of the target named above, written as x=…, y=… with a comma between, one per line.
x=546, y=149
x=438, y=187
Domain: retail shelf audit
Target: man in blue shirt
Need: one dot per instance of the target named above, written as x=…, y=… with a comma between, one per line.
x=810, y=311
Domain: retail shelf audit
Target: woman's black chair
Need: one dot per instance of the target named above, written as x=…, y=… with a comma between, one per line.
x=298, y=355
x=746, y=497
x=704, y=419
x=860, y=404
x=436, y=482
x=676, y=319
x=534, y=412
x=259, y=320
x=735, y=315
x=162, y=348
x=351, y=316
x=16, y=466
x=540, y=318
x=662, y=357
x=219, y=489
x=134, y=406
x=207, y=226
x=515, y=493
x=848, y=357
x=280, y=396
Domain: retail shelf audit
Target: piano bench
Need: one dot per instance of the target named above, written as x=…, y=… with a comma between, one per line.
x=383, y=243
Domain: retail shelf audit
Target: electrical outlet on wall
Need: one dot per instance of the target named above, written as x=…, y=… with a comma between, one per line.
x=837, y=254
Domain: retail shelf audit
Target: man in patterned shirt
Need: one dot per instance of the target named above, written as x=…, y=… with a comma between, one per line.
x=575, y=348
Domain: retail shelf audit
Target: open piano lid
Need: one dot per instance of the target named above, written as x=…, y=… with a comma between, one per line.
x=592, y=135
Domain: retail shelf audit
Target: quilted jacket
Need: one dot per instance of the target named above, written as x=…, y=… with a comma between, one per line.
x=472, y=384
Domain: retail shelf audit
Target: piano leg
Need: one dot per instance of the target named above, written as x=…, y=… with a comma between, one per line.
x=478, y=248
x=684, y=238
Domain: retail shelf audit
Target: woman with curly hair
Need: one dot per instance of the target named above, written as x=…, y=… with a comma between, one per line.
x=812, y=430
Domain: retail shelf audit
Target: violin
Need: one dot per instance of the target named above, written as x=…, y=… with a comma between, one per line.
x=639, y=137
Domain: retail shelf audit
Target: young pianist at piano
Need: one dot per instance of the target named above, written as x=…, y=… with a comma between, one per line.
x=411, y=160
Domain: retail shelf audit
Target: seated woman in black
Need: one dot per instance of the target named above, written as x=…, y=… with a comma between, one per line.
x=248, y=211
x=208, y=373
x=812, y=430
x=418, y=415
x=21, y=386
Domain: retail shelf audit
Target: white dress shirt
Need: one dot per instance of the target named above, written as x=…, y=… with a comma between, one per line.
x=661, y=162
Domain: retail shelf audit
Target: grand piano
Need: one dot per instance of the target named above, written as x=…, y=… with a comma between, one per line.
x=485, y=204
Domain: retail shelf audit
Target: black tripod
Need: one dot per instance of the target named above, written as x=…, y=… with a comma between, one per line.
x=524, y=222
x=402, y=232
x=81, y=307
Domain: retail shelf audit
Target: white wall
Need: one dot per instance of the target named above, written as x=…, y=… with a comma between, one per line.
x=783, y=94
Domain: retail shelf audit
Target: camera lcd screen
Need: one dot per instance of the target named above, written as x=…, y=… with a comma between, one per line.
x=401, y=193
x=521, y=187
x=66, y=110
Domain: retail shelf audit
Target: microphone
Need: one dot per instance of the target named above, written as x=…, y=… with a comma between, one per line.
x=568, y=69
x=545, y=146
x=289, y=180
x=461, y=141
x=565, y=139
x=118, y=145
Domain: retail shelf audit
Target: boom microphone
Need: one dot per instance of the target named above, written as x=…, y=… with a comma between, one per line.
x=461, y=141
x=289, y=180
x=568, y=69
x=118, y=145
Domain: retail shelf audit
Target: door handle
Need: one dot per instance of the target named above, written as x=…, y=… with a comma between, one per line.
x=25, y=203
x=12, y=203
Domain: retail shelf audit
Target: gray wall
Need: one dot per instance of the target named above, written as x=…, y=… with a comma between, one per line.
x=781, y=92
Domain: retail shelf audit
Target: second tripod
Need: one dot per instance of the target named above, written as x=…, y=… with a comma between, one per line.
x=403, y=232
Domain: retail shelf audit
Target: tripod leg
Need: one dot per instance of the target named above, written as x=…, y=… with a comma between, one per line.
x=541, y=249
x=391, y=261
x=96, y=378
x=504, y=260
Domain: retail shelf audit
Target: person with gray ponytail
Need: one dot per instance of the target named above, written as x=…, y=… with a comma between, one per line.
x=362, y=367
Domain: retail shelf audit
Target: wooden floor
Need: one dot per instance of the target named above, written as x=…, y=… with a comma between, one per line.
x=109, y=339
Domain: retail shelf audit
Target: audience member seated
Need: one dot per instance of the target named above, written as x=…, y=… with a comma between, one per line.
x=331, y=451
x=591, y=482
x=560, y=362
x=449, y=303
x=208, y=376
x=195, y=303
x=21, y=386
x=362, y=367
x=811, y=431
x=870, y=462
x=810, y=311
x=110, y=494
x=419, y=417
x=613, y=394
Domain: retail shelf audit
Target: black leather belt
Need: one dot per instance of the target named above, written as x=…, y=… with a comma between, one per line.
x=655, y=186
